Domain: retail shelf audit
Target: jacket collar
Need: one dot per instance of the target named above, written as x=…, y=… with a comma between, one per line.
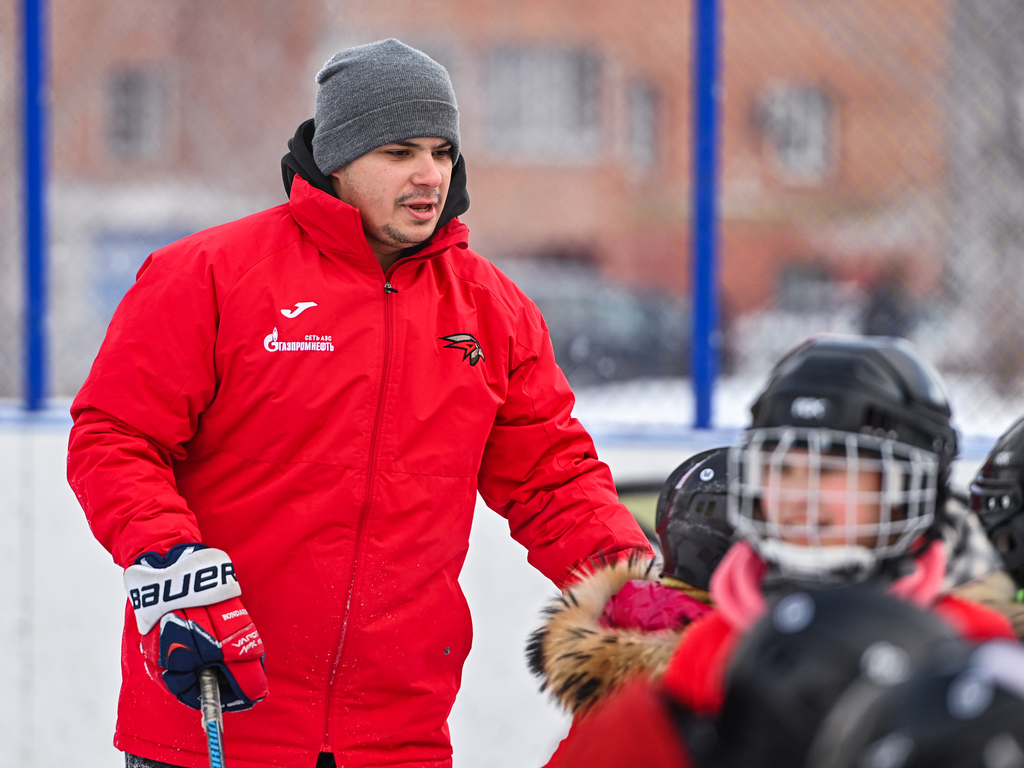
x=336, y=227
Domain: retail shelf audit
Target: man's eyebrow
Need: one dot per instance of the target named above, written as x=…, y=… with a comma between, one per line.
x=412, y=144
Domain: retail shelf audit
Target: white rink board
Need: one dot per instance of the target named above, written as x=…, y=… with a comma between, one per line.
x=60, y=613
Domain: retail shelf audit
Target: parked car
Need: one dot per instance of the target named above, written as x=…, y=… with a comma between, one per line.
x=602, y=330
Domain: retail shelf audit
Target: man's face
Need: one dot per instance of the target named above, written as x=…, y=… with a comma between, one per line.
x=400, y=190
x=844, y=499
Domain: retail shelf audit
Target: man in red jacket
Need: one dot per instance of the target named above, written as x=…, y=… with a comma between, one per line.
x=285, y=430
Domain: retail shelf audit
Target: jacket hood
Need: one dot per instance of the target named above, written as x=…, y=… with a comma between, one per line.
x=579, y=659
x=299, y=162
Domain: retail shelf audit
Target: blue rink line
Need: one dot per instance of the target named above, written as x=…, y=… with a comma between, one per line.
x=56, y=415
x=671, y=435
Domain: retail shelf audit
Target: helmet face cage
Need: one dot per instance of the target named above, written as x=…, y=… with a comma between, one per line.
x=826, y=505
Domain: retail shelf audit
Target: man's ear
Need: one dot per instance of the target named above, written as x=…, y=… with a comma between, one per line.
x=335, y=180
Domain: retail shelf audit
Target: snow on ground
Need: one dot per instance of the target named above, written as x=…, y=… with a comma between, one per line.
x=500, y=718
x=61, y=600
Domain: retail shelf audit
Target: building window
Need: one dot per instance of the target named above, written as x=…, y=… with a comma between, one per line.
x=796, y=122
x=642, y=104
x=542, y=103
x=137, y=117
x=117, y=257
x=805, y=288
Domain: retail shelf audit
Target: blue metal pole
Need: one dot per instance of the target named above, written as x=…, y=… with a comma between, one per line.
x=34, y=201
x=704, y=231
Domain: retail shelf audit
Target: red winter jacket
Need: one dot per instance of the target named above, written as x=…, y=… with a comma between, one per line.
x=265, y=389
x=633, y=726
x=696, y=674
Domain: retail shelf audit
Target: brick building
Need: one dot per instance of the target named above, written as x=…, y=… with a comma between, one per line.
x=170, y=115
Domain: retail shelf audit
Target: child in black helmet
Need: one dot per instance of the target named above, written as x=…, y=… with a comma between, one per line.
x=997, y=496
x=841, y=478
x=622, y=623
x=621, y=619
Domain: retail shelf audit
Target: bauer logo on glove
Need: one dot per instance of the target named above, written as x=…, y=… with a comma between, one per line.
x=188, y=576
x=189, y=612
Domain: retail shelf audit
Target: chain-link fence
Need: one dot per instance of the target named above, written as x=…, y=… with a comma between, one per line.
x=872, y=168
x=10, y=238
x=893, y=138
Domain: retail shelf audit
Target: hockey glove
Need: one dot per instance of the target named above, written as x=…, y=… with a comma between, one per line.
x=189, y=613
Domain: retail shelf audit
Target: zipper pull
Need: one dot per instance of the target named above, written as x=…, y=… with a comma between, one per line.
x=389, y=289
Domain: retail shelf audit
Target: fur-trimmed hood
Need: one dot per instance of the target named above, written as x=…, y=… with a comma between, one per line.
x=579, y=657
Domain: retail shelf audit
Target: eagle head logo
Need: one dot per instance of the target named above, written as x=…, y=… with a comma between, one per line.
x=468, y=344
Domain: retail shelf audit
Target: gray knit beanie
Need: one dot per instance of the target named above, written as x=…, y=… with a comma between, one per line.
x=378, y=93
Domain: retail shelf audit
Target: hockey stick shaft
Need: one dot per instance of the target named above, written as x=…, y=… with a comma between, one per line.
x=213, y=718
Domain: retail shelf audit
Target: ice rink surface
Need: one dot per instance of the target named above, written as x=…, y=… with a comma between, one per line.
x=62, y=602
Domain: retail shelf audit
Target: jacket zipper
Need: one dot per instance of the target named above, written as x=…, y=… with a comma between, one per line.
x=371, y=468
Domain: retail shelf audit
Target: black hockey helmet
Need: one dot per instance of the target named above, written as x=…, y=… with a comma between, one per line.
x=866, y=404
x=997, y=496
x=691, y=519
x=795, y=663
x=874, y=385
x=965, y=714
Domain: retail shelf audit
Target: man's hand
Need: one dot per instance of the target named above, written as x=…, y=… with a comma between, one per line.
x=189, y=612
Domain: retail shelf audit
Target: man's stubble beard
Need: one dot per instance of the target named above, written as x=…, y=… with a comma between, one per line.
x=390, y=234
x=395, y=235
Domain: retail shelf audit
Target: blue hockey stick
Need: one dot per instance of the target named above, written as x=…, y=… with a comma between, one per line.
x=213, y=718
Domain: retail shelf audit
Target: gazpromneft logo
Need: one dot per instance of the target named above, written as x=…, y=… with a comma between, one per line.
x=311, y=343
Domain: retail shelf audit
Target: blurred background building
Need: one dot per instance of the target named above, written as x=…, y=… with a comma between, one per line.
x=871, y=170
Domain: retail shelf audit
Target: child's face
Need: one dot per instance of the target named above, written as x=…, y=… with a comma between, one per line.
x=828, y=512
